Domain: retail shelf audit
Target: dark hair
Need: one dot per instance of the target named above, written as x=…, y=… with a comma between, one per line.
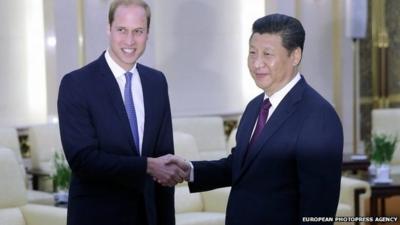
x=289, y=28
x=114, y=5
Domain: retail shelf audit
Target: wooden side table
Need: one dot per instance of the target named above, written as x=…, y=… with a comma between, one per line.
x=36, y=174
x=381, y=191
x=353, y=164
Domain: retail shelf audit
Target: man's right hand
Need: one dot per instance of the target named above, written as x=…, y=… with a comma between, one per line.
x=168, y=170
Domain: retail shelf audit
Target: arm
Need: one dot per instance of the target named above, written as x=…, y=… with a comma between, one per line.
x=319, y=159
x=210, y=175
x=165, y=195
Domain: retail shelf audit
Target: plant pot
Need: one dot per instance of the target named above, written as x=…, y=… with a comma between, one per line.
x=383, y=173
x=61, y=197
x=372, y=169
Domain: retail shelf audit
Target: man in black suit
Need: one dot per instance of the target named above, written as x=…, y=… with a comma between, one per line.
x=115, y=124
x=287, y=161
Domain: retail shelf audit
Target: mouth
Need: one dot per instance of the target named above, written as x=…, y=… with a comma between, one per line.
x=128, y=50
x=261, y=75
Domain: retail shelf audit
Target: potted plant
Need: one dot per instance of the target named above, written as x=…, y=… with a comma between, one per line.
x=61, y=178
x=382, y=150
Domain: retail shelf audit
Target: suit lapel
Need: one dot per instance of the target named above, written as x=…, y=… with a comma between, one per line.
x=114, y=94
x=245, y=129
x=284, y=110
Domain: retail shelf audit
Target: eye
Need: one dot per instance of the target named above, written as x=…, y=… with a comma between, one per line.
x=121, y=29
x=139, y=32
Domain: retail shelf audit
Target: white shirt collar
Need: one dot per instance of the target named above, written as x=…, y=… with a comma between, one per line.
x=116, y=69
x=278, y=96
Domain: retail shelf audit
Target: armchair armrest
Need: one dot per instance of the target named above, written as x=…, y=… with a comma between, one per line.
x=216, y=200
x=354, y=192
x=44, y=215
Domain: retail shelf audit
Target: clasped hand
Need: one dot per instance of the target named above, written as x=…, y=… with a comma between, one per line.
x=168, y=170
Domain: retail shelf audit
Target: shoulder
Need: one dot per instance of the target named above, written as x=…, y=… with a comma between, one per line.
x=314, y=105
x=148, y=70
x=150, y=74
x=315, y=100
x=85, y=73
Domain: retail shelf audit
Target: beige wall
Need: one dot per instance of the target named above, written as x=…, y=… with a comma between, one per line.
x=22, y=79
x=200, y=45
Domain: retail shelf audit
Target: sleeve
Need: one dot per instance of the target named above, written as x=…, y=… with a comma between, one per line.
x=81, y=144
x=165, y=195
x=319, y=159
x=210, y=175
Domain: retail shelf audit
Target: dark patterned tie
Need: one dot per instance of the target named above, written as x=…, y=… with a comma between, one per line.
x=130, y=109
x=262, y=118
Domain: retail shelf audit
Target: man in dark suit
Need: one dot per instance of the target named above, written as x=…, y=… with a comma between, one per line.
x=287, y=161
x=115, y=124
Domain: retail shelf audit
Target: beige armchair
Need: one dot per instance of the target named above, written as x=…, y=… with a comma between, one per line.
x=208, y=131
x=206, y=208
x=14, y=209
x=353, y=195
x=44, y=140
x=9, y=139
x=388, y=121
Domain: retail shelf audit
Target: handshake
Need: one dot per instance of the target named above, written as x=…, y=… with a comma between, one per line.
x=168, y=170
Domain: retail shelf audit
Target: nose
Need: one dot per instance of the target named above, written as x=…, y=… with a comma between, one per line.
x=258, y=63
x=130, y=39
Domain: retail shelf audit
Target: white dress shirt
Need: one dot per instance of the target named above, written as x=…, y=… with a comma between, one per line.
x=278, y=96
x=275, y=99
x=137, y=92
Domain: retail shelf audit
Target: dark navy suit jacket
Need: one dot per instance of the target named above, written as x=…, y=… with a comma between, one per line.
x=109, y=182
x=293, y=170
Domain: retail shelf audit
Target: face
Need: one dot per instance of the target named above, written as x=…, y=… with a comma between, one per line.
x=128, y=35
x=269, y=62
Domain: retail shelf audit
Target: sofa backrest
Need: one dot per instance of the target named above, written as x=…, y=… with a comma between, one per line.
x=9, y=139
x=208, y=132
x=44, y=141
x=185, y=146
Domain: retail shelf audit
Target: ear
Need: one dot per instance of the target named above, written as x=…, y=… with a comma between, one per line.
x=296, y=56
x=108, y=29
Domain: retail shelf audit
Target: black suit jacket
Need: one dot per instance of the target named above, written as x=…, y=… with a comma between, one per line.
x=291, y=171
x=109, y=182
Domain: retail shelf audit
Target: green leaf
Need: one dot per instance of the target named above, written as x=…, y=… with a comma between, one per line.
x=382, y=148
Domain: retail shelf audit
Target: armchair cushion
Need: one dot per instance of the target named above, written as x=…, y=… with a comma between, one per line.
x=187, y=202
x=200, y=218
x=44, y=215
x=11, y=216
x=216, y=200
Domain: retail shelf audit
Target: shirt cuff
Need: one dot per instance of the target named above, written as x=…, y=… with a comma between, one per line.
x=191, y=175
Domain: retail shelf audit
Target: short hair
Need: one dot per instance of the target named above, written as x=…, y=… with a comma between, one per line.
x=115, y=3
x=289, y=28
